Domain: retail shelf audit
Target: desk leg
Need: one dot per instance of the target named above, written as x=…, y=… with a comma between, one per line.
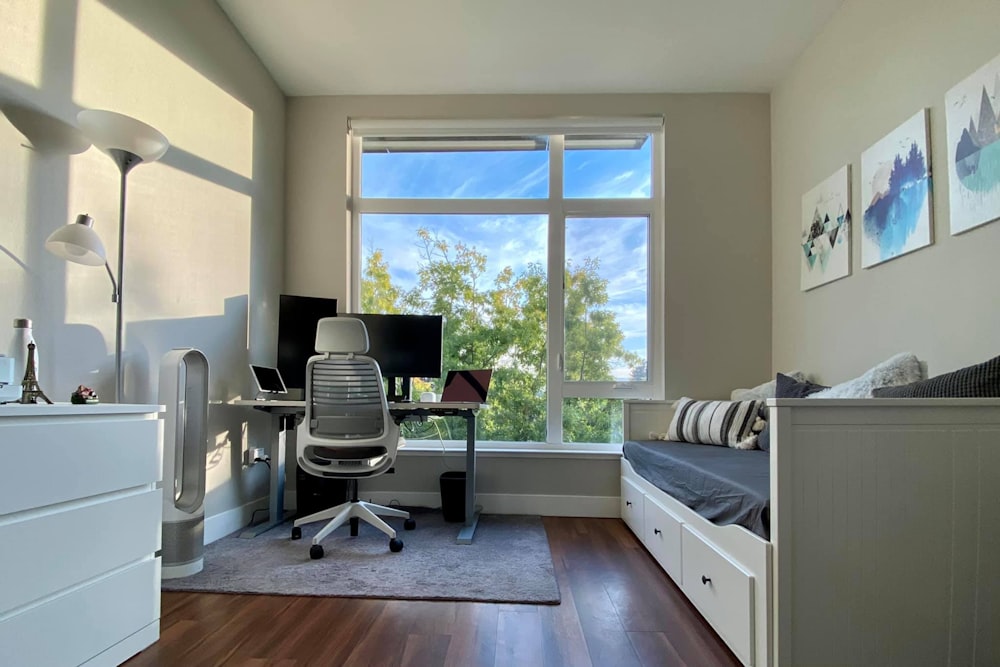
x=471, y=510
x=276, y=504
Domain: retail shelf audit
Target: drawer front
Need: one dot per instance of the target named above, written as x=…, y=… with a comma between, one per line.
x=721, y=590
x=69, y=459
x=73, y=628
x=663, y=537
x=50, y=552
x=632, y=511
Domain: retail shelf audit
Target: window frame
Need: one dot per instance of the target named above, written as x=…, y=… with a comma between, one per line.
x=557, y=209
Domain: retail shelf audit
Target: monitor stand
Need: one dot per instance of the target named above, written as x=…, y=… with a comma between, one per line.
x=398, y=389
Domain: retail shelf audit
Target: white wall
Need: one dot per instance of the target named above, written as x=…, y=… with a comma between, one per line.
x=717, y=240
x=872, y=67
x=204, y=238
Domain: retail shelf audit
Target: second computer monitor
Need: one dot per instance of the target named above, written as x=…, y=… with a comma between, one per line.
x=405, y=346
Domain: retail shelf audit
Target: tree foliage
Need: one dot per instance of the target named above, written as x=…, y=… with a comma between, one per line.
x=500, y=322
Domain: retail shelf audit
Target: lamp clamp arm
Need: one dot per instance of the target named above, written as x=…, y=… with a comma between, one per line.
x=115, y=294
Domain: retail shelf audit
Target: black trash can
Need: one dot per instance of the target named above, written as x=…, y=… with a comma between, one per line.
x=453, y=495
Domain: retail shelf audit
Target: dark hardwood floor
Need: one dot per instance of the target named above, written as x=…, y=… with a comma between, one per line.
x=618, y=609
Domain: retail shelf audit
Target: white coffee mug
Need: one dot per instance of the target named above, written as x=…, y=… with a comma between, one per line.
x=428, y=397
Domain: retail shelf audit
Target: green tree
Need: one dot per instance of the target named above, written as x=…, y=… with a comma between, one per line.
x=501, y=324
x=378, y=294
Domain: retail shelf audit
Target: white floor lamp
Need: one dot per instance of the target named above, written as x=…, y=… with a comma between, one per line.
x=128, y=142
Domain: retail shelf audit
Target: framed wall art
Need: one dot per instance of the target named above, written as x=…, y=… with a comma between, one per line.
x=972, y=109
x=826, y=231
x=896, y=193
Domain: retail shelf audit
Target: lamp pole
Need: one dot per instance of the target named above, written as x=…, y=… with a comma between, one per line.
x=125, y=161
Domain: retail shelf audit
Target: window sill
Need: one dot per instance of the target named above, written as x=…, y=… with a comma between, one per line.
x=513, y=450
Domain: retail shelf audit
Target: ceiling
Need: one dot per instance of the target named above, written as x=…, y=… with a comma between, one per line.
x=380, y=47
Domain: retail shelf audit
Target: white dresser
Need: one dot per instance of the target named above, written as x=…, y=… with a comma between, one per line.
x=79, y=533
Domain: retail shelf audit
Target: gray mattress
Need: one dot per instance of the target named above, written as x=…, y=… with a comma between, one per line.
x=723, y=485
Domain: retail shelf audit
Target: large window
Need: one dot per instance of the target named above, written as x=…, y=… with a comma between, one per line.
x=540, y=243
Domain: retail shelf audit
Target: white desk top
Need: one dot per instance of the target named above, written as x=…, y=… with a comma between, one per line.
x=414, y=405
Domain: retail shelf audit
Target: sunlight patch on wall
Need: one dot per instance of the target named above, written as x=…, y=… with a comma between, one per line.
x=119, y=67
x=189, y=245
x=14, y=170
x=21, y=37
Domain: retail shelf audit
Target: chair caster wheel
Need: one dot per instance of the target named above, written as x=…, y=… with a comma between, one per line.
x=316, y=551
x=409, y=524
x=296, y=533
x=395, y=545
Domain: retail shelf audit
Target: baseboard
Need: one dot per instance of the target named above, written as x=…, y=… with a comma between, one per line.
x=507, y=503
x=225, y=523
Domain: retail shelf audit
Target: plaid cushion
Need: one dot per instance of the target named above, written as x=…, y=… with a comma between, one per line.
x=979, y=381
x=731, y=423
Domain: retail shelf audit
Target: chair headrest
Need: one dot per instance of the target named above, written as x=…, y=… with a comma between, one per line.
x=341, y=334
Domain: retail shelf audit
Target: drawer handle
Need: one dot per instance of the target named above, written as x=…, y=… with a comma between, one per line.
x=656, y=531
x=628, y=503
x=705, y=580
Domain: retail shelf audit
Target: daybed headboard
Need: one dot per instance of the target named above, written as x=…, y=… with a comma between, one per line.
x=645, y=417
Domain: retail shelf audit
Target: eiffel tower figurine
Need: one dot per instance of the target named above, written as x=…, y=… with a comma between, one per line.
x=30, y=391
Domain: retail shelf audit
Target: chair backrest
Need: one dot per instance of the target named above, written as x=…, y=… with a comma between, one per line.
x=347, y=430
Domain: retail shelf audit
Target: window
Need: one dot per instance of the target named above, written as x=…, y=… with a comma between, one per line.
x=539, y=242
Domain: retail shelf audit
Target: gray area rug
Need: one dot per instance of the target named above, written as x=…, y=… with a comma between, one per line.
x=508, y=561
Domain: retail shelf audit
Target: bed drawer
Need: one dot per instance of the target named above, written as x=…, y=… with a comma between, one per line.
x=632, y=510
x=662, y=536
x=721, y=590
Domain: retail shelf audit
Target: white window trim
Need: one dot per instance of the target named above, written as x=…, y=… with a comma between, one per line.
x=557, y=209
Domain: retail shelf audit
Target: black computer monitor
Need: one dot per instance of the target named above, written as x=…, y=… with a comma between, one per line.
x=405, y=346
x=297, y=318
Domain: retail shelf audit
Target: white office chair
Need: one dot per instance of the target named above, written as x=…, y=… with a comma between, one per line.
x=347, y=431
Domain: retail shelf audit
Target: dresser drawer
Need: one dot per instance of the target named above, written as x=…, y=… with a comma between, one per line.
x=70, y=544
x=44, y=466
x=662, y=536
x=85, y=622
x=632, y=510
x=721, y=590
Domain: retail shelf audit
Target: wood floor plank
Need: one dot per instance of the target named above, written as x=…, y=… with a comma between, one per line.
x=519, y=639
x=655, y=650
x=474, y=635
x=425, y=650
x=618, y=608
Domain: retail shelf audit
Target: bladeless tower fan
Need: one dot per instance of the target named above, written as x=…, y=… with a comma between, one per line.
x=184, y=392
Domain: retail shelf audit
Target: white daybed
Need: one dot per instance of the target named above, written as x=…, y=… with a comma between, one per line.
x=884, y=544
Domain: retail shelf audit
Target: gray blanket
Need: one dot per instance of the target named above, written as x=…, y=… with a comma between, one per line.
x=721, y=484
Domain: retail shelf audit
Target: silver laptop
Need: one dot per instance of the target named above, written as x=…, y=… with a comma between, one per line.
x=270, y=385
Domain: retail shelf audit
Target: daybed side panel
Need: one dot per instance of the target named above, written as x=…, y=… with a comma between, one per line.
x=885, y=531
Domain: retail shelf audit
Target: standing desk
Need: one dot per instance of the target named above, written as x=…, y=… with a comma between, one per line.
x=285, y=414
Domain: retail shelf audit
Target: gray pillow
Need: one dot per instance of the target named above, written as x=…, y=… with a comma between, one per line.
x=786, y=386
x=979, y=381
x=789, y=387
x=762, y=391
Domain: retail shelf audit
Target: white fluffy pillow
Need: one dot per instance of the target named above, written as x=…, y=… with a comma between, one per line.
x=903, y=368
x=763, y=391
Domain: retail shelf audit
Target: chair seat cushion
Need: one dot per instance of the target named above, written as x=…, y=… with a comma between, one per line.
x=346, y=453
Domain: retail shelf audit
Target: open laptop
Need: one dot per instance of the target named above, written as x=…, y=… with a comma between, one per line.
x=467, y=386
x=270, y=385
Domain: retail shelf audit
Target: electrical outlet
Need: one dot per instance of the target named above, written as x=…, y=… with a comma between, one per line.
x=254, y=453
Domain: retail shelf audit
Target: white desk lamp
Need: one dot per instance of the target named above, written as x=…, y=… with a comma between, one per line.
x=128, y=142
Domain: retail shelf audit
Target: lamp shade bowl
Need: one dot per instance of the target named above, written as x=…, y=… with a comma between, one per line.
x=109, y=130
x=77, y=242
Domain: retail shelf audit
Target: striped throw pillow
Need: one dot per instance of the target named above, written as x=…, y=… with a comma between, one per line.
x=731, y=423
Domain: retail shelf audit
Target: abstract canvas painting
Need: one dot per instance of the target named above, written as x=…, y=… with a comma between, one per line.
x=972, y=108
x=896, y=193
x=826, y=231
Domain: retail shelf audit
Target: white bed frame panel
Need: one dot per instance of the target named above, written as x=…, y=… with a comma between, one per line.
x=885, y=533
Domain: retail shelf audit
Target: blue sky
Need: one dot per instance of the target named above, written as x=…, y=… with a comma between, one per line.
x=516, y=241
